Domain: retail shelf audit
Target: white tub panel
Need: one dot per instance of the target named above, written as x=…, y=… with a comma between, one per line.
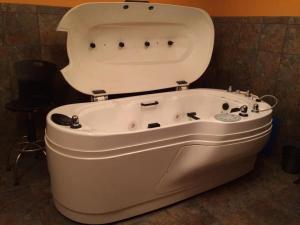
x=229, y=172
x=86, y=142
x=195, y=161
x=197, y=139
x=107, y=185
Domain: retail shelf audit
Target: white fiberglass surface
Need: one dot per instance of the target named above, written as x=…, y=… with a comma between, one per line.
x=170, y=109
x=135, y=49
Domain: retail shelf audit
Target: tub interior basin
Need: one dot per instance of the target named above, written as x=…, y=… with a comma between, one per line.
x=153, y=111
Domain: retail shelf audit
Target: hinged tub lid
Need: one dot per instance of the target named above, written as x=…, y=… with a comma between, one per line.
x=134, y=47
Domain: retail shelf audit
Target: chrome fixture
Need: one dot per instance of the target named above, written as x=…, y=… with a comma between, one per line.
x=75, y=122
x=229, y=88
x=248, y=94
x=244, y=111
x=255, y=108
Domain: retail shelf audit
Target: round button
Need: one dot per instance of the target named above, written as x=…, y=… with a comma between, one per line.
x=125, y=6
x=147, y=44
x=121, y=44
x=225, y=106
x=92, y=45
x=170, y=43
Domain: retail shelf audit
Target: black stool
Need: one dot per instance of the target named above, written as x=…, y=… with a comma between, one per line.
x=34, y=85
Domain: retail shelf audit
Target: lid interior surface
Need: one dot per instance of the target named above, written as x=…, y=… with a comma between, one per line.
x=133, y=47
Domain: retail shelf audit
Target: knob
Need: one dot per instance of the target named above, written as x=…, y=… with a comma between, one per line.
x=243, y=111
x=121, y=44
x=255, y=108
x=225, y=106
x=92, y=45
x=147, y=44
x=170, y=43
x=75, y=122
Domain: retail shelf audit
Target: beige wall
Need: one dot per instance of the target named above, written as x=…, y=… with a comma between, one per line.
x=214, y=7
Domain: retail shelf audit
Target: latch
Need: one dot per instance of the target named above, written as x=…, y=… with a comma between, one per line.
x=182, y=85
x=99, y=95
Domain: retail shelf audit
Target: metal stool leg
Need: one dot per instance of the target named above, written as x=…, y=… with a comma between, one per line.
x=30, y=144
x=16, y=178
x=11, y=150
x=28, y=148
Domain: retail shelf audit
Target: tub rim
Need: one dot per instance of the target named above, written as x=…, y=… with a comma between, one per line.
x=188, y=91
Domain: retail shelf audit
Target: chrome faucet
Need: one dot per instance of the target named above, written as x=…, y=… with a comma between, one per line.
x=75, y=122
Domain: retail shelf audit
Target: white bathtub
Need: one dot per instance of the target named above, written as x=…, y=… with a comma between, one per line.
x=110, y=169
x=133, y=155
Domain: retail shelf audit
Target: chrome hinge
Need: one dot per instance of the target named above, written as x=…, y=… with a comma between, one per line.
x=99, y=95
x=139, y=1
x=182, y=85
x=99, y=98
